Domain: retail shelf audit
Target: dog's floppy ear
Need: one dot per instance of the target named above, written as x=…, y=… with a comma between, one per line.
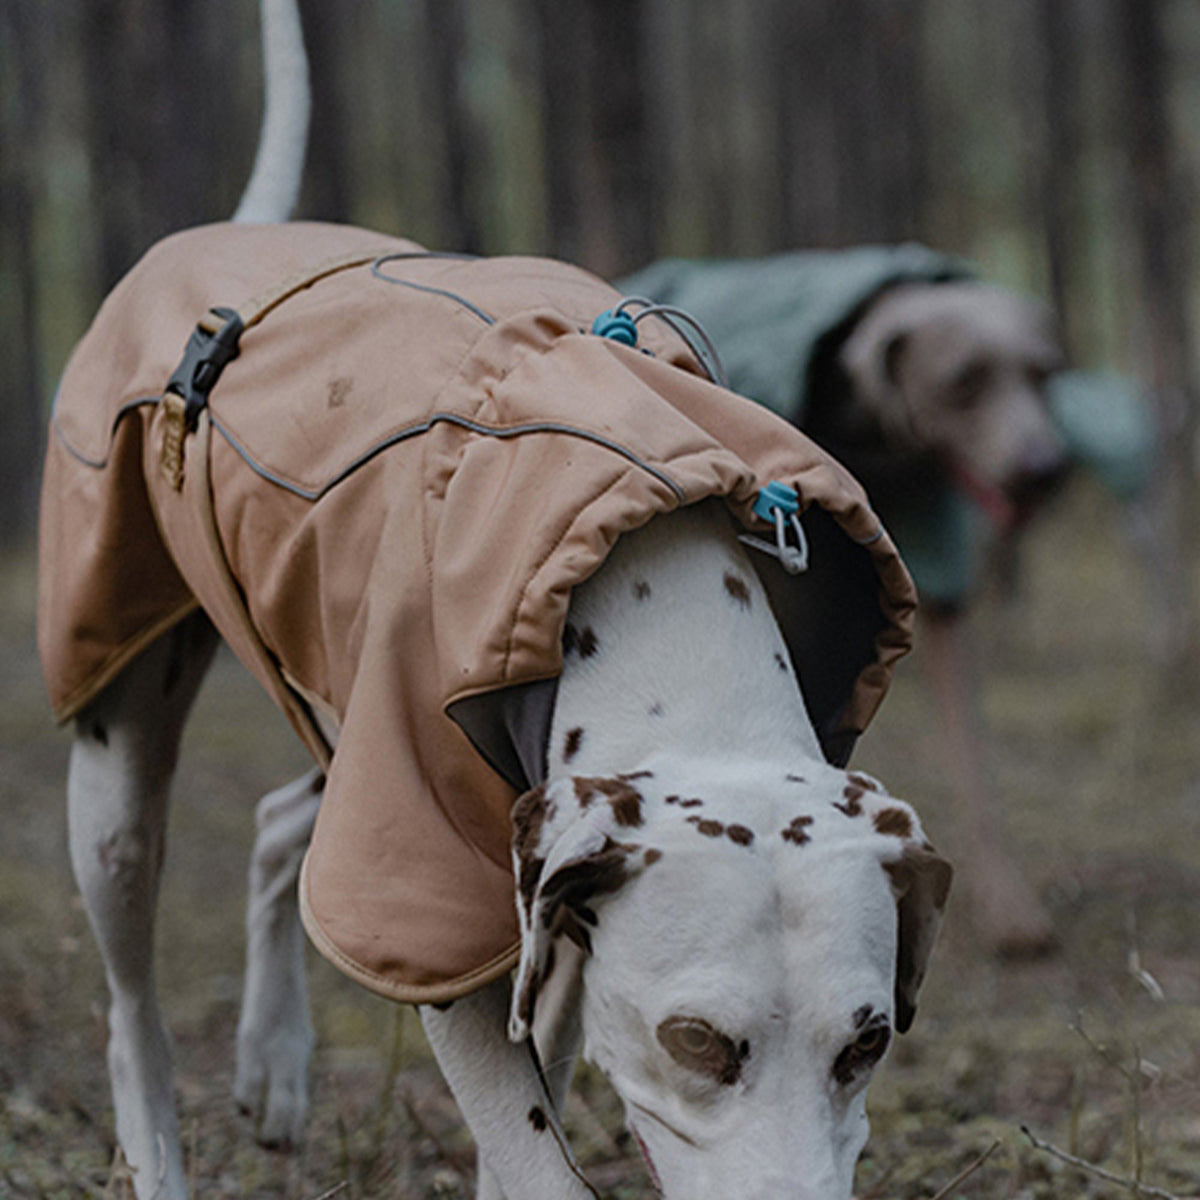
x=567, y=850
x=921, y=881
x=871, y=357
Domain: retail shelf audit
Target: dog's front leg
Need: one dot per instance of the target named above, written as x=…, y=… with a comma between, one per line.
x=504, y=1099
x=558, y=1035
x=275, y=1034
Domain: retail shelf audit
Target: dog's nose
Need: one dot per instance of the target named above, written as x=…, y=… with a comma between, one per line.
x=1038, y=475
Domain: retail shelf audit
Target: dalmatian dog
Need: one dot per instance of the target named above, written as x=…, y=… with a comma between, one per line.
x=732, y=929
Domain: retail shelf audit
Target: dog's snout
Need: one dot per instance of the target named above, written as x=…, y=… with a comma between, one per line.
x=1039, y=473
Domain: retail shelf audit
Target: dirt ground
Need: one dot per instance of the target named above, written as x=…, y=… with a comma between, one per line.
x=1096, y=1050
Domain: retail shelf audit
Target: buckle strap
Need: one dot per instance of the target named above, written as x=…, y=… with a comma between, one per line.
x=213, y=344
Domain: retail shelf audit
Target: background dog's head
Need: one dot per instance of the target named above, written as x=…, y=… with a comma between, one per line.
x=755, y=933
x=959, y=369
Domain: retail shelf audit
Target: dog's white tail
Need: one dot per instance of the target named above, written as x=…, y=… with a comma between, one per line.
x=275, y=181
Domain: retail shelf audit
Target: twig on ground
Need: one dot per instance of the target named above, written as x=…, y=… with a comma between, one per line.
x=1138, y=1189
x=337, y=1189
x=964, y=1175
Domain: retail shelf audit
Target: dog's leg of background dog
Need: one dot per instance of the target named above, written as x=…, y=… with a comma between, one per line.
x=1006, y=909
x=127, y=741
x=493, y=1078
x=275, y=1033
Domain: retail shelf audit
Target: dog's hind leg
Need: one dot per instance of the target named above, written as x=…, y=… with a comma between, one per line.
x=126, y=745
x=275, y=1034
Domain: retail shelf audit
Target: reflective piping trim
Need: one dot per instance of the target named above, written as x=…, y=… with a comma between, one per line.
x=100, y=463
x=425, y=427
x=485, y=317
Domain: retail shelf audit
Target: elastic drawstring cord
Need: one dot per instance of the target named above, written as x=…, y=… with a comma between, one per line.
x=688, y=328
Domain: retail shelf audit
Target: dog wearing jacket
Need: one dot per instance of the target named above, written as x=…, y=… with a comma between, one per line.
x=731, y=925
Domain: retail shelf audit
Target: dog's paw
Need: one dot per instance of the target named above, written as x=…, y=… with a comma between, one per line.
x=271, y=1084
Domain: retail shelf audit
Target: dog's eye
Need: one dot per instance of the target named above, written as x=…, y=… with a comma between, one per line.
x=695, y=1044
x=864, y=1052
x=967, y=387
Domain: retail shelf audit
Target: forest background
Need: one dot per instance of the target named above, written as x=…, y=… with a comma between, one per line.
x=1054, y=143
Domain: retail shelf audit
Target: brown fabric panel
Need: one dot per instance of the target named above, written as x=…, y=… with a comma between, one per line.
x=107, y=586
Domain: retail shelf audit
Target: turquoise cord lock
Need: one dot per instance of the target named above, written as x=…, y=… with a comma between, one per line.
x=779, y=505
x=616, y=326
x=776, y=495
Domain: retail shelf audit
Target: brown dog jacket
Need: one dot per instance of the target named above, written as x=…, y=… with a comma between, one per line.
x=383, y=504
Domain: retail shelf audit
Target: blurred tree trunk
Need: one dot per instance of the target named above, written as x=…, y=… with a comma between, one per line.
x=1165, y=258
x=156, y=123
x=445, y=28
x=851, y=134
x=327, y=181
x=21, y=413
x=1061, y=159
x=595, y=133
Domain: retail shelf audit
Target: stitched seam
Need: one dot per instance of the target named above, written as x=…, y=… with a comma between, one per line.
x=99, y=464
x=411, y=431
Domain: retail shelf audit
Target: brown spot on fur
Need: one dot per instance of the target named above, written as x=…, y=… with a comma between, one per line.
x=737, y=588
x=707, y=827
x=740, y=834
x=626, y=801
x=797, y=831
x=693, y=802
x=570, y=639
x=641, y=590
x=588, y=642
x=865, y=782
x=780, y=661
x=656, y=709
x=652, y=856
x=571, y=743
x=852, y=805
x=627, y=776
x=537, y=1118
x=893, y=821
x=573, y=885
x=795, y=779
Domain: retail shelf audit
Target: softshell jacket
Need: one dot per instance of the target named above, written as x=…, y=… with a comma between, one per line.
x=769, y=318
x=384, y=506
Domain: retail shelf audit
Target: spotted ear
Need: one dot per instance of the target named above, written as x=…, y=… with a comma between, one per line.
x=921, y=882
x=565, y=854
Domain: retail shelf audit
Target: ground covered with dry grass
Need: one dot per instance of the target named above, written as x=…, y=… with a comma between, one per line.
x=1096, y=1050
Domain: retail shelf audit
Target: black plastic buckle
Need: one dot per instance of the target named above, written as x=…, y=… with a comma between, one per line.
x=204, y=359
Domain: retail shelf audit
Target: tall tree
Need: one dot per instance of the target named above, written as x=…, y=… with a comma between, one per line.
x=1162, y=220
x=21, y=390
